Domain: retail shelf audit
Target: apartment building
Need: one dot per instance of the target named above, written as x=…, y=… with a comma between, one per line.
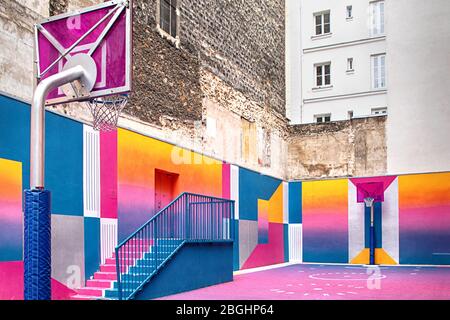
x=336, y=60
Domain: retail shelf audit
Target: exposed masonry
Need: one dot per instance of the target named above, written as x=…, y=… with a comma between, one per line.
x=241, y=41
x=338, y=149
x=229, y=107
x=218, y=89
x=57, y=6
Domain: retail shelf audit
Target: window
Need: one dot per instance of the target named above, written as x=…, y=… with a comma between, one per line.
x=379, y=111
x=321, y=118
x=168, y=16
x=323, y=74
x=349, y=64
x=379, y=71
x=377, y=18
x=322, y=23
x=349, y=14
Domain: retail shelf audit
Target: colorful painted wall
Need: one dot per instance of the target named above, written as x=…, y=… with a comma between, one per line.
x=140, y=158
x=104, y=186
x=262, y=219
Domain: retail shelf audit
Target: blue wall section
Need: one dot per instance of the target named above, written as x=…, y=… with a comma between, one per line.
x=286, y=242
x=377, y=224
x=15, y=134
x=63, y=153
x=91, y=246
x=321, y=248
x=236, y=246
x=295, y=202
x=419, y=247
x=64, y=164
x=196, y=265
x=254, y=186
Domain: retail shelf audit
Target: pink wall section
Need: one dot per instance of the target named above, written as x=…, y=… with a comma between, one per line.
x=270, y=253
x=226, y=181
x=108, y=174
x=11, y=283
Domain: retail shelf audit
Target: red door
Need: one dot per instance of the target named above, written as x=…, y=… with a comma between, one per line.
x=164, y=188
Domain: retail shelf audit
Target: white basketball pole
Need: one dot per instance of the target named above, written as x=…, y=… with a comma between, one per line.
x=37, y=159
x=37, y=209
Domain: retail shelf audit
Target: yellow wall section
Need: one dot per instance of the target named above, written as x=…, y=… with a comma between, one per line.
x=381, y=257
x=140, y=155
x=11, y=178
x=417, y=190
x=276, y=206
x=325, y=196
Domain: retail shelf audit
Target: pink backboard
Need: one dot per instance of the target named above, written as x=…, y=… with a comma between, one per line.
x=103, y=31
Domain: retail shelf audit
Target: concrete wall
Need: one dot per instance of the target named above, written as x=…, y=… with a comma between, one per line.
x=16, y=36
x=419, y=109
x=293, y=61
x=338, y=149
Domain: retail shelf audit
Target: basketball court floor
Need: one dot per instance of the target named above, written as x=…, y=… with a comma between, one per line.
x=331, y=282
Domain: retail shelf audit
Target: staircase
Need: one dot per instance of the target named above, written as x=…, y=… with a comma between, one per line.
x=189, y=218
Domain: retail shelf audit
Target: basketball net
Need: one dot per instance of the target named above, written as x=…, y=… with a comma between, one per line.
x=106, y=111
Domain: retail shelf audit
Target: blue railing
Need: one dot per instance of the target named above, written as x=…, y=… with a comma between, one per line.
x=189, y=218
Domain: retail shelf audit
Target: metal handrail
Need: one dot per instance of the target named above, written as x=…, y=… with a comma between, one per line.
x=189, y=218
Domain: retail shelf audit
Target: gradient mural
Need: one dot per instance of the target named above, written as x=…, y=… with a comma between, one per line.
x=139, y=159
x=11, y=218
x=105, y=186
x=325, y=221
x=424, y=208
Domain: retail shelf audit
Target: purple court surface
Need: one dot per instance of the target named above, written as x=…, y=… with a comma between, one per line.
x=331, y=282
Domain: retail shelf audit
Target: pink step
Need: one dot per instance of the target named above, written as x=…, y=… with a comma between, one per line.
x=88, y=291
x=130, y=254
x=108, y=268
x=105, y=276
x=132, y=242
x=81, y=297
x=95, y=283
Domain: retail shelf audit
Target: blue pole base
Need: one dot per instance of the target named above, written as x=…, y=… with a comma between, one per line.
x=372, y=245
x=37, y=245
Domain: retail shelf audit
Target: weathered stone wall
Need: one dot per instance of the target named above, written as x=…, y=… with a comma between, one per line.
x=16, y=52
x=338, y=149
x=240, y=121
x=57, y=6
x=242, y=42
x=166, y=85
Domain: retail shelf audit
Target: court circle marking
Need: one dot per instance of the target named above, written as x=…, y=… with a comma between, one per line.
x=315, y=276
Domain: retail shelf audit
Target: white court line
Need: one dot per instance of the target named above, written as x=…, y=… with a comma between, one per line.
x=274, y=266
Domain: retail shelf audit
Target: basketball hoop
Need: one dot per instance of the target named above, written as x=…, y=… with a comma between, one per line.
x=106, y=111
x=369, y=202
